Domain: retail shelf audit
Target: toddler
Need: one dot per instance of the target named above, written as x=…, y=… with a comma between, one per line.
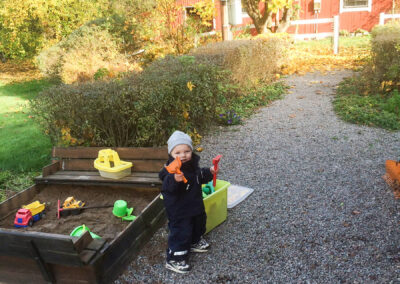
x=184, y=203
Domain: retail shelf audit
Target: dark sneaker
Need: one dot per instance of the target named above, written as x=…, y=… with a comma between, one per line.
x=201, y=246
x=178, y=266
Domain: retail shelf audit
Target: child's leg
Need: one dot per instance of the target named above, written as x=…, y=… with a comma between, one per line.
x=179, y=239
x=199, y=227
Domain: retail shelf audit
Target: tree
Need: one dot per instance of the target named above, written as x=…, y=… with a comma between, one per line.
x=262, y=13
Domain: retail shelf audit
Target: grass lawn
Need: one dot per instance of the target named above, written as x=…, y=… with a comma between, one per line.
x=375, y=110
x=24, y=148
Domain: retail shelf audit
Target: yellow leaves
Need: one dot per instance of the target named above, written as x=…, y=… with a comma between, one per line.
x=196, y=137
x=190, y=85
x=305, y=58
x=199, y=149
x=277, y=76
x=185, y=115
x=66, y=137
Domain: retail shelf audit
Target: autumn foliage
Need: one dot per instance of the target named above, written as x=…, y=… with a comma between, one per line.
x=314, y=56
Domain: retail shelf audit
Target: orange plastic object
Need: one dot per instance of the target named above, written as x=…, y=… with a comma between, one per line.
x=175, y=168
x=393, y=169
x=392, y=176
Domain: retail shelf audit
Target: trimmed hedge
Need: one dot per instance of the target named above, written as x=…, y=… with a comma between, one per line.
x=141, y=110
x=385, y=47
x=249, y=61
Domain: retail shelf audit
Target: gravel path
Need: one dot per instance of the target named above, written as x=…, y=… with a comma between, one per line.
x=320, y=211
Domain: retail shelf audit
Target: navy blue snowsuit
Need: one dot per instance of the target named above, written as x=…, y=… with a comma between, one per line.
x=184, y=206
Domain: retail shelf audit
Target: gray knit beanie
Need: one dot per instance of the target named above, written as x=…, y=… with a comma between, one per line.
x=177, y=138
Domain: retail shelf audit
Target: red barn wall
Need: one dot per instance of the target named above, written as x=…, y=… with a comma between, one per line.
x=349, y=21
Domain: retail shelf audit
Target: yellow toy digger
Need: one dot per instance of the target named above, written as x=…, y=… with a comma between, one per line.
x=70, y=202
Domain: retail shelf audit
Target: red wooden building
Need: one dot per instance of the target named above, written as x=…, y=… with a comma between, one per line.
x=353, y=14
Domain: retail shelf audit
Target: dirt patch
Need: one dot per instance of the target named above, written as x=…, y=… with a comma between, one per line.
x=100, y=221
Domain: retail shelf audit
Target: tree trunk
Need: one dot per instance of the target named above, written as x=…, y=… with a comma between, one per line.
x=285, y=22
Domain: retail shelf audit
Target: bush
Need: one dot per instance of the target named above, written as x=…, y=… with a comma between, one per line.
x=385, y=69
x=249, y=61
x=28, y=26
x=81, y=54
x=141, y=110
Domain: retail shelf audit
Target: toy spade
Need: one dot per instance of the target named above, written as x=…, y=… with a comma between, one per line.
x=215, y=162
x=175, y=168
x=62, y=212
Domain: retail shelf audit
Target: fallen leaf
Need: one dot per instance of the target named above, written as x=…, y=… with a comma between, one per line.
x=345, y=224
x=300, y=97
x=292, y=116
x=199, y=149
x=318, y=92
x=300, y=109
x=355, y=212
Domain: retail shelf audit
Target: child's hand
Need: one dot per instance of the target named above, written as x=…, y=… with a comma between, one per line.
x=179, y=177
x=213, y=171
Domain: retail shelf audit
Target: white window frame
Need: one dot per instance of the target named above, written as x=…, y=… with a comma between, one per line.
x=355, y=9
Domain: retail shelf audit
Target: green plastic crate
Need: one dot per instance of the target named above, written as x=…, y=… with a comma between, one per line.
x=216, y=205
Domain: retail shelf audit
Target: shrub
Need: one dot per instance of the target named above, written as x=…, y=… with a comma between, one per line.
x=140, y=110
x=178, y=93
x=249, y=61
x=28, y=26
x=386, y=56
x=81, y=54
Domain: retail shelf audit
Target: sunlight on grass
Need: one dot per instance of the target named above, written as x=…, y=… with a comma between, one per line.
x=23, y=146
x=317, y=55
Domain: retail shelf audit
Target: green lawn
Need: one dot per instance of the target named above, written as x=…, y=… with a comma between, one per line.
x=344, y=41
x=23, y=146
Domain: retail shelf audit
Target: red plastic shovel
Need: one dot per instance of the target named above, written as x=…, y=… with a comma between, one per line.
x=215, y=162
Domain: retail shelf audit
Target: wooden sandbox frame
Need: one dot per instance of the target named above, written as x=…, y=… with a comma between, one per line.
x=35, y=257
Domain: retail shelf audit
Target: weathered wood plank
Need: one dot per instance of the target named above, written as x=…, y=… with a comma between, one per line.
x=83, y=241
x=87, y=255
x=88, y=165
x=11, y=205
x=51, y=169
x=114, y=268
x=147, y=153
x=19, y=270
x=64, y=179
x=152, y=210
x=52, y=248
x=96, y=173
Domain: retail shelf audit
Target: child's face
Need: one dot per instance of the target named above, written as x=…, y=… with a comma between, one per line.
x=183, y=151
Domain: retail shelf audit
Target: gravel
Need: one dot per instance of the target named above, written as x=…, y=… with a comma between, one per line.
x=320, y=211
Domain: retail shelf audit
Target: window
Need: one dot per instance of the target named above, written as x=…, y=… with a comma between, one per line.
x=355, y=5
